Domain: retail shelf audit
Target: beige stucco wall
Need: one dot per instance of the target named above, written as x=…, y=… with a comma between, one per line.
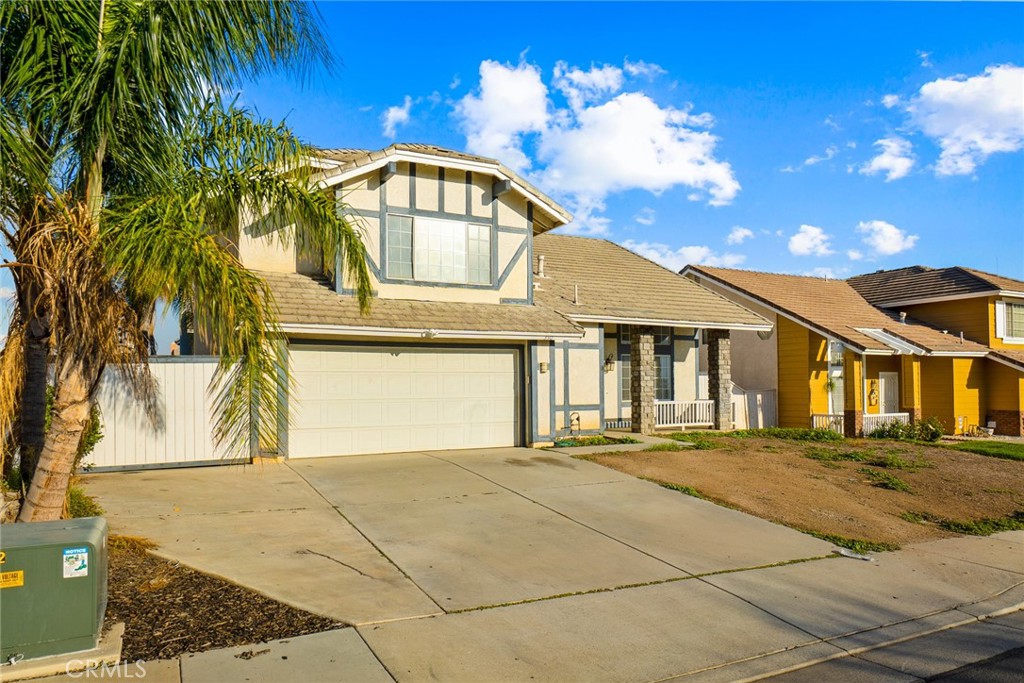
x=260, y=248
x=363, y=197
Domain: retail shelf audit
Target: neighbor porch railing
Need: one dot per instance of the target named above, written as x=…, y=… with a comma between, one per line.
x=674, y=414
x=873, y=422
x=835, y=422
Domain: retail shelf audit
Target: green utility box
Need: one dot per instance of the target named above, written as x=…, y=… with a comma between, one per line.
x=53, y=587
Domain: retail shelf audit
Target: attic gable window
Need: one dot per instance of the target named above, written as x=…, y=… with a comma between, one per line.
x=435, y=250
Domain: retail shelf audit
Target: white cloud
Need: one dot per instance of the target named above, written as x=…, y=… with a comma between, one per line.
x=646, y=216
x=830, y=121
x=825, y=273
x=738, y=235
x=924, y=57
x=885, y=239
x=583, y=87
x=895, y=159
x=972, y=118
x=365, y=108
x=890, y=101
x=675, y=259
x=605, y=141
x=854, y=254
x=642, y=68
x=512, y=101
x=393, y=117
x=810, y=240
x=456, y=82
x=830, y=153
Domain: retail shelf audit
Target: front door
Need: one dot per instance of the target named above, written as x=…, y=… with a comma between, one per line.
x=889, y=388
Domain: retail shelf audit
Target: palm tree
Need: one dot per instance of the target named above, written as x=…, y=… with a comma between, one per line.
x=122, y=182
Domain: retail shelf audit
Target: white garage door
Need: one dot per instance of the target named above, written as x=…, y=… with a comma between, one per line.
x=351, y=400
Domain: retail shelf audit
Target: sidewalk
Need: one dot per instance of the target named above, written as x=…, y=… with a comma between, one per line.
x=908, y=616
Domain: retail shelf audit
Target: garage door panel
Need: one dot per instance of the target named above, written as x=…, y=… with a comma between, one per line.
x=352, y=400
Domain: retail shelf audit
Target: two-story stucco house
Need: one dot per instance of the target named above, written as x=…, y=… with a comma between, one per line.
x=485, y=331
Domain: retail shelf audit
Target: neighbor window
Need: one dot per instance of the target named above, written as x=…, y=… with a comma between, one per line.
x=662, y=378
x=434, y=250
x=1015, y=320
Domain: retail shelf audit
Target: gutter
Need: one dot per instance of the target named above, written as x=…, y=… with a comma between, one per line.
x=424, y=333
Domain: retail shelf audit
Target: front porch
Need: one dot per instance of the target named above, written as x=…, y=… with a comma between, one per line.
x=674, y=414
x=871, y=421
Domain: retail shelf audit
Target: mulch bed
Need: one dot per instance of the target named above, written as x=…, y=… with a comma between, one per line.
x=169, y=609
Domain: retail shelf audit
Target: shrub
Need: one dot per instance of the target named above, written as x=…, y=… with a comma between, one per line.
x=791, y=433
x=925, y=430
x=80, y=504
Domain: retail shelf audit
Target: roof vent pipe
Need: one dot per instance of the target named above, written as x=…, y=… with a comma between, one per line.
x=576, y=295
x=540, y=266
x=903, y=317
x=961, y=336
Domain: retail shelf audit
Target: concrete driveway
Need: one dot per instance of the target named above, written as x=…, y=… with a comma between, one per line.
x=515, y=564
x=379, y=538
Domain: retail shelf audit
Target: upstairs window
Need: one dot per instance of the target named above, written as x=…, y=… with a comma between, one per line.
x=1015, y=320
x=434, y=250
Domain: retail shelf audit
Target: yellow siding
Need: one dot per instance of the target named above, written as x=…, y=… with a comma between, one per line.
x=1005, y=387
x=794, y=390
x=968, y=390
x=910, y=383
x=995, y=342
x=853, y=382
x=937, y=390
x=817, y=367
x=973, y=317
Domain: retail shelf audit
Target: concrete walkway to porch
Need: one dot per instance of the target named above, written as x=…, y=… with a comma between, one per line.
x=517, y=564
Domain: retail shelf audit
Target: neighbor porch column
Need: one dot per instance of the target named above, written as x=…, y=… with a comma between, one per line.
x=910, y=387
x=642, y=378
x=853, y=394
x=720, y=376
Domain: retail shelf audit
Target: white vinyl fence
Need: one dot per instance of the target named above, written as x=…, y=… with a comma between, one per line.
x=182, y=436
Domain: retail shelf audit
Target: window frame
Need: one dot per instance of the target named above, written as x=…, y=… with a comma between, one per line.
x=1008, y=331
x=485, y=234
x=660, y=380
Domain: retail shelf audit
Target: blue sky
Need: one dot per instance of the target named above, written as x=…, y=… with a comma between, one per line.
x=828, y=139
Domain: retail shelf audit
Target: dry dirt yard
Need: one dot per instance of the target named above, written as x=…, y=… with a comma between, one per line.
x=837, y=488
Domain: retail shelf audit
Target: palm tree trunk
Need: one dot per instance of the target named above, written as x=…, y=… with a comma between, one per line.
x=71, y=412
x=33, y=397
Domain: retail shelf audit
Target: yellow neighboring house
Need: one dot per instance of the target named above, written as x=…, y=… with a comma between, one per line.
x=986, y=308
x=838, y=361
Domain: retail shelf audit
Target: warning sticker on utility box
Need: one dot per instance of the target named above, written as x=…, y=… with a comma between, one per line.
x=12, y=579
x=76, y=562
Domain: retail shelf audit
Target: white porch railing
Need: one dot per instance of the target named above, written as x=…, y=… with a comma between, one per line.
x=834, y=422
x=674, y=414
x=873, y=422
x=684, y=413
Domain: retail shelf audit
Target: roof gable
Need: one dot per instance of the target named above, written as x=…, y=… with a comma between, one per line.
x=342, y=164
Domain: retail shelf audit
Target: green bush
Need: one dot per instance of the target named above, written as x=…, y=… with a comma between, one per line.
x=925, y=430
x=791, y=433
x=80, y=504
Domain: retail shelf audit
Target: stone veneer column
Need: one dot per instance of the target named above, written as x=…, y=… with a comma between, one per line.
x=720, y=376
x=642, y=378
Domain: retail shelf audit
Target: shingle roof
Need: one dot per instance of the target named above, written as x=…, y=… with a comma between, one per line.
x=920, y=282
x=355, y=158
x=615, y=283
x=836, y=308
x=1015, y=358
x=306, y=300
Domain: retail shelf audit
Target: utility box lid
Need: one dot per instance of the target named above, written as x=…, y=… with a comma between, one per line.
x=53, y=587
